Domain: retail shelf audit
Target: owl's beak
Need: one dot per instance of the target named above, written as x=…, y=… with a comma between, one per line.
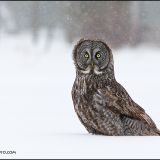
x=92, y=65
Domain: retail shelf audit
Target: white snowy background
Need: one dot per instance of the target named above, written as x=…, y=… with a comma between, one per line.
x=37, y=118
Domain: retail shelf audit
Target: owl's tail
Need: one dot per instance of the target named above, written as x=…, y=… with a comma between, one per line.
x=155, y=131
x=158, y=132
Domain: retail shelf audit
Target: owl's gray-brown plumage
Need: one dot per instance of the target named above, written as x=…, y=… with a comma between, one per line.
x=101, y=103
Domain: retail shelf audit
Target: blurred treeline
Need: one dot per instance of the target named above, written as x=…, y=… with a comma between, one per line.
x=118, y=22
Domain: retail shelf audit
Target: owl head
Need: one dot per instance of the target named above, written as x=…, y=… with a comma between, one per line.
x=93, y=57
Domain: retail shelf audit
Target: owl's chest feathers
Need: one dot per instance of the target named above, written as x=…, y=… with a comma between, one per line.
x=87, y=85
x=85, y=88
x=85, y=93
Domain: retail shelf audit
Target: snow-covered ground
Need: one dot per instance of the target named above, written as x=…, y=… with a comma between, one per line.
x=37, y=119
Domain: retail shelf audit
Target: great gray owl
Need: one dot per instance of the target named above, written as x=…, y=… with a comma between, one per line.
x=103, y=106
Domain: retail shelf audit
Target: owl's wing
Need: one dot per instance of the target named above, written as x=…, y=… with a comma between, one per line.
x=118, y=100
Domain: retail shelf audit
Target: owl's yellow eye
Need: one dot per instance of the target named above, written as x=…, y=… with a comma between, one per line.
x=86, y=55
x=98, y=55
